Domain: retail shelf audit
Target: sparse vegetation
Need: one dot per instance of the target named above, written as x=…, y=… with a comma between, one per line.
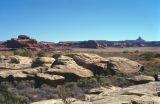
x=56, y=56
x=6, y=97
x=41, y=54
x=22, y=52
x=14, y=60
x=147, y=55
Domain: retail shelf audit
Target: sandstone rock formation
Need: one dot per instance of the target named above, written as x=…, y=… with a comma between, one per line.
x=44, y=61
x=110, y=65
x=16, y=62
x=66, y=65
x=71, y=66
x=124, y=65
x=80, y=65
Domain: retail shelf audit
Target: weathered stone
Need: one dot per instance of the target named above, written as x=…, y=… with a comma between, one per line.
x=66, y=65
x=44, y=61
x=85, y=59
x=16, y=62
x=13, y=66
x=147, y=99
x=52, y=101
x=22, y=60
x=123, y=65
x=14, y=73
x=110, y=65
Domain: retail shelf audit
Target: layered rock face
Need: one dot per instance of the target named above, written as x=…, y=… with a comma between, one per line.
x=24, y=41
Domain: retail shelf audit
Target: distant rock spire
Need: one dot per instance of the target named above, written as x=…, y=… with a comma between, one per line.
x=140, y=39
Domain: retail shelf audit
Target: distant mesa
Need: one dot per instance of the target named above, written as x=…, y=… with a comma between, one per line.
x=24, y=41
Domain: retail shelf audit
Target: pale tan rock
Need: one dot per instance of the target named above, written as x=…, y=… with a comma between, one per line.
x=52, y=101
x=13, y=73
x=123, y=65
x=85, y=59
x=44, y=61
x=23, y=62
x=66, y=65
x=46, y=76
x=147, y=99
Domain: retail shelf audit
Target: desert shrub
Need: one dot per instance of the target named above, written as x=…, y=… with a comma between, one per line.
x=41, y=54
x=1, y=60
x=103, y=80
x=6, y=97
x=88, y=83
x=63, y=94
x=70, y=89
x=23, y=99
x=148, y=55
x=125, y=51
x=136, y=51
x=120, y=81
x=56, y=56
x=157, y=55
x=14, y=60
x=74, y=90
x=22, y=52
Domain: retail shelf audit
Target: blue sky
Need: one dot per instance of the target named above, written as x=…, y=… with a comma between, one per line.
x=72, y=20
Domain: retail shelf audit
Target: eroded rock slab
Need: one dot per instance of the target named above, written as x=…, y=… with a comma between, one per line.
x=124, y=65
x=66, y=65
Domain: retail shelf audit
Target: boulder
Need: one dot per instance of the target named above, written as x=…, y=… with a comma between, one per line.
x=111, y=65
x=66, y=65
x=93, y=62
x=63, y=60
x=44, y=61
x=123, y=65
x=85, y=59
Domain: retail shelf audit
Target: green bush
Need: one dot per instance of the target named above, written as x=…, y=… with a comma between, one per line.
x=148, y=55
x=125, y=51
x=88, y=82
x=103, y=80
x=14, y=60
x=41, y=54
x=22, y=52
x=56, y=56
